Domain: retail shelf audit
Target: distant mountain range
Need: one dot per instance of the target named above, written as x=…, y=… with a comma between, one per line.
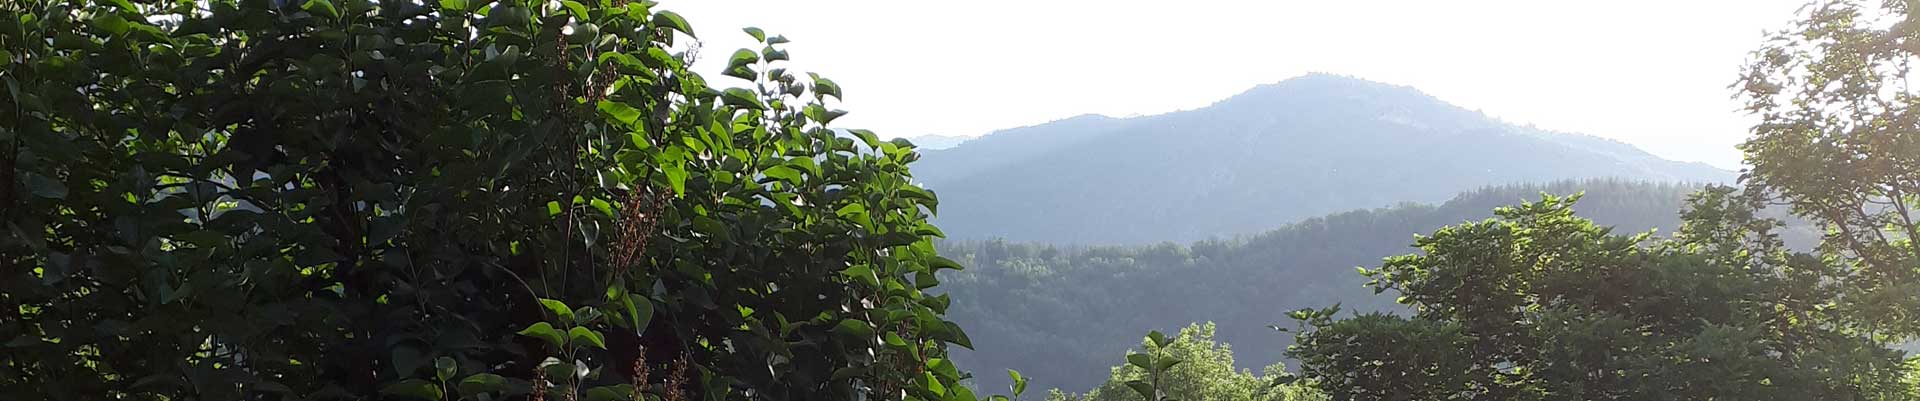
x=1063, y=314
x=937, y=142
x=1273, y=155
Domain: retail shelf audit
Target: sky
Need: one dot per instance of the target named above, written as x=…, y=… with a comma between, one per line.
x=1651, y=73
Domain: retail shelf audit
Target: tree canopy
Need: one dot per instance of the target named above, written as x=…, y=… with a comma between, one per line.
x=1540, y=304
x=471, y=199
x=1839, y=143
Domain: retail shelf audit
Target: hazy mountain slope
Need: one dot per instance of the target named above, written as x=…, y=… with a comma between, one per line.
x=1063, y=314
x=1272, y=155
x=936, y=142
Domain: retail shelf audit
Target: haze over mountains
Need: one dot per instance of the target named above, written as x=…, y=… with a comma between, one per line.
x=1275, y=154
x=1063, y=314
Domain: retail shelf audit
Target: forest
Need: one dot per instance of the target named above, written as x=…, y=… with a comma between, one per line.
x=548, y=200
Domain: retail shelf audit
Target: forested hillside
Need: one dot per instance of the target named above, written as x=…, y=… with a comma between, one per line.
x=1273, y=155
x=1063, y=313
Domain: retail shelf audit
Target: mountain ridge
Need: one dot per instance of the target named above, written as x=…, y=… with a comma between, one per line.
x=1271, y=155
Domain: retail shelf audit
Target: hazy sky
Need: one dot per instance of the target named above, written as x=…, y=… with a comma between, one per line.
x=1651, y=73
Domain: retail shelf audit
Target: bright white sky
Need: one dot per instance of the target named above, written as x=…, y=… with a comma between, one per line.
x=1653, y=73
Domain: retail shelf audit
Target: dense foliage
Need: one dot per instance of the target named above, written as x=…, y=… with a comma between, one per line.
x=1274, y=155
x=1062, y=312
x=455, y=199
x=1205, y=371
x=1839, y=143
x=1539, y=304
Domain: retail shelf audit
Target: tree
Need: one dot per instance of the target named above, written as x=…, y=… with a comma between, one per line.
x=1541, y=304
x=1839, y=144
x=473, y=199
x=1190, y=367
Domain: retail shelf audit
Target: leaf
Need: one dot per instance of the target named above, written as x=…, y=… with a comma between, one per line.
x=407, y=358
x=559, y=309
x=454, y=5
x=639, y=313
x=867, y=136
x=444, y=368
x=742, y=57
x=124, y=5
x=619, y=111
x=1142, y=388
x=415, y=388
x=610, y=393
x=1141, y=360
x=772, y=54
x=1166, y=363
x=758, y=35
x=601, y=205
x=673, y=21
x=939, y=262
x=783, y=173
x=742, y=98
x=1159, y=340
x=579, y=10
x=582, y=334
x=825, y=87
x=481, y=383
x=112, y=23
x=1019, y=382
x=855, y=328
x=324, y=7
x=959, y=335
x=45, y=187
x=821, y=114
x=545, y=331
x=740, y=65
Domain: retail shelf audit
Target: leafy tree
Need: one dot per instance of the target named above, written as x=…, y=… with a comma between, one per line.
x=1190, y=367
x=1540, y=304
x=472, y=199
x=1839, y=143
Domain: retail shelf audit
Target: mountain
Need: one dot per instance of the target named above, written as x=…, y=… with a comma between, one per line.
x=937, y=142
x=1272, y=155
x=1063, y=314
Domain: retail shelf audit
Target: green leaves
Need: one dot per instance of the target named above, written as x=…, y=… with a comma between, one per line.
x=444, y=368
x=528, y=182
x=673, y=21
x=581, y=335
x=113, y=24
x=1160, y=340
x=483, y=383
x=321, y=7
x=742, y=98
x=626, y=115
x=1144, y=389
x=741, y=64
x=854, y=328
x=559, y=309
x=1019, y=382
x=546, y=332
x=825, y=87
x=639, y=311
x=414, y=388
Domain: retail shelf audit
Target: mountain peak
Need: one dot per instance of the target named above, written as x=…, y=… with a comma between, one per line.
x=1326, y=86
x=1277, y=153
